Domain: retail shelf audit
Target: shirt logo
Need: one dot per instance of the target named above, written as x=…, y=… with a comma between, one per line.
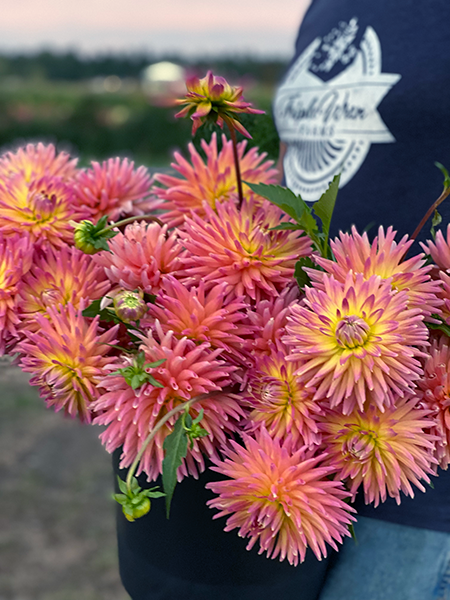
x=329, y=125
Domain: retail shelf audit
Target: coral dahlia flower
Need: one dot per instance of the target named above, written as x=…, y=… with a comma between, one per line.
x=213, y=181
x=187, y=371
x=282, y=499
x=237, y=247
x=279, y=400
x=35, y=161
x=383, y=257
x=384, y=452
x=434, y=391
x=141, y=257
x=214, y=98
x=357, y=341
x=66, y=356
x=439, y=249
x=111, y=188
x=63, y=276
x=16, y=255
x=42, y=209
x=202, y=316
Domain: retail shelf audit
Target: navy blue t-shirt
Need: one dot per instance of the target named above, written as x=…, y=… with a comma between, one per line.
x=368, y=94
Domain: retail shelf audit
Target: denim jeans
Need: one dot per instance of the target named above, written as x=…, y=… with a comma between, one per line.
x=390, y=562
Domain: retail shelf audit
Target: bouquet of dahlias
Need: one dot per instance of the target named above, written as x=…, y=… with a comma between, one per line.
x=205, y=319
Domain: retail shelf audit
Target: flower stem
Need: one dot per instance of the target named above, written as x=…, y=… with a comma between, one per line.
x=236, y=161
x=132, y=219
x=154, y=431
x=430, y=211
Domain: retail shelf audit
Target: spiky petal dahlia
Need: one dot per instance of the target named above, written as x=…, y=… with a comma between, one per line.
x=237, y=247
x=282, y=499
x=434, y=391
x=213, y=181
x=385, y=452
x=202, y=316
x=439, y=249
x=110, y=188
x=187, y=371
x=16, y=256
x=279, y=400
x=42, y=209
x=66, y=356
x=357, y=341
x=64, y=276
x=35, y=161
x=214, y=98
x=141, y=257
x=383, y=257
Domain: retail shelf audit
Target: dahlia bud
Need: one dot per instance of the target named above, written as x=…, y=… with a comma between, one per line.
x=134, y=500
x=92, y=238
x=130, y=306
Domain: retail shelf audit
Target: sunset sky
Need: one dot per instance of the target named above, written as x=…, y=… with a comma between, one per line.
x=196, y=27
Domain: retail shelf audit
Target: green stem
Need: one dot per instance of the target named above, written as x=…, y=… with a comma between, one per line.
x=236, y=161
x=131, y=220
x=154, y=431
x=430, y=211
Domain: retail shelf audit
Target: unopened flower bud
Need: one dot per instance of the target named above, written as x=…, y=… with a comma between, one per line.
x=92, y=238
x=130, y=306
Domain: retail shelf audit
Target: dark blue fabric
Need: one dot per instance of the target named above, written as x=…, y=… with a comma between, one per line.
x=190, y=557
x=397, y=182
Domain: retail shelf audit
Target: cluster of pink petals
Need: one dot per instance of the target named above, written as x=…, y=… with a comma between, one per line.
x=434, y=392
x=64, y=276
x=382, y=452
x=282, y=499
x=16, y=256
x=35, y=161
x=111, y=188
x=386, y=258
x=213, y=181
x=439, y=249
x=358, y=342
x=66, y=356
x=202, y=316
x=188, y=371
x=237, y=247
x=141, y=257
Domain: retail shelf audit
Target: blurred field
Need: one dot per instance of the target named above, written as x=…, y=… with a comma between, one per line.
x=57, y=531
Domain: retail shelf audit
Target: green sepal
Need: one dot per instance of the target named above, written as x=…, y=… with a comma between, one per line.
x=445, y=173
x=300, y=274
x=175, y=447
x=136, y=375
x=193, y=428
x=435, y=221
x=441, y=326
x=351, y=529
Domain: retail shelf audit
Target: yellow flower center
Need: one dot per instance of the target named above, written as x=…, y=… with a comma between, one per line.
x=42, y=207
x=352, y=331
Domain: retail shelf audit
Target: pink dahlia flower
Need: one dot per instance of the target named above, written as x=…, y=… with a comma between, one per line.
x=16, y=256
x=439, y=249
x=111, y=188
x=66, y=356
x=213, y=181
x=236, y=247
x=187, y=371
x=282, y=499
x=42, y=209
x=202, y=316
x=35, y=161
x=280, y=401
x=357, y=341
x=63, y=276
x=141, y=257
x=384, y=452
x=383, y=257
x=434, y=392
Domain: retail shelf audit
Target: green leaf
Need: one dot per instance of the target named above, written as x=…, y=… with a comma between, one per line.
x=300, y=274
x=441, y=326
x=445, y=173
x=436, y=220
x=199, y=417
x=351, y=529
x=93, y=309
x=154, y=494
x=175, y=447
x=284, y=198
x=122, y=485
x=324, y=207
